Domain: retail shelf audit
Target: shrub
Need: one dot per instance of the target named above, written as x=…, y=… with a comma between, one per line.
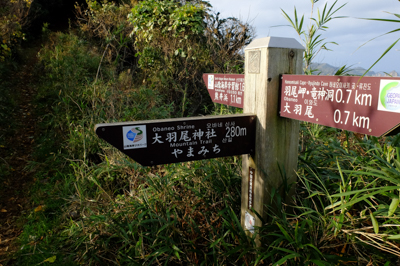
x=13, y=16
x=169, y=37
x=76, y=101
x=107, y=22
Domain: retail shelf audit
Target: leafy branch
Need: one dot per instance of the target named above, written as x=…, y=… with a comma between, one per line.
x=310, y=37
x=390, y=32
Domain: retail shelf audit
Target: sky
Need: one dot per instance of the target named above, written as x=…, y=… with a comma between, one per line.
x=349, y=33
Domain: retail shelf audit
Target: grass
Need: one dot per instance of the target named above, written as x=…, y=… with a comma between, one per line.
x=97, y=194
x=94, y=206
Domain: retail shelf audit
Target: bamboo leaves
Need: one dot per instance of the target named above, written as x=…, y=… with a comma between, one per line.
x=389, y=32
x=313, y=41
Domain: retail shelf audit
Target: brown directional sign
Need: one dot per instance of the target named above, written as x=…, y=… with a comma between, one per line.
x=225, y=88
x=166, y=141
x=370, y=105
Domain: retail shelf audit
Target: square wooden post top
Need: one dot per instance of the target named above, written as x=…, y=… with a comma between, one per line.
x=274, y=42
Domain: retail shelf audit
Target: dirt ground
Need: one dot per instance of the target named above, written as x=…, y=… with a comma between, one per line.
x=15, y=155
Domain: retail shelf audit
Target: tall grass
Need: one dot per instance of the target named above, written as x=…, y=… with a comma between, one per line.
x=101, y=208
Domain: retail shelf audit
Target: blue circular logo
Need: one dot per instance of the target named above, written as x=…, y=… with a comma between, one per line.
x=131, y=135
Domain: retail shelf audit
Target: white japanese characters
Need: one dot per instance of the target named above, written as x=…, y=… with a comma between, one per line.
x=301, y=97
x=228, y=90
x=187, y=140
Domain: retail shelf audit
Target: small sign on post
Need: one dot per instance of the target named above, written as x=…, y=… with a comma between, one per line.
x=370, y=105
x=252, y=173
x=165, y=141
x=225, y=88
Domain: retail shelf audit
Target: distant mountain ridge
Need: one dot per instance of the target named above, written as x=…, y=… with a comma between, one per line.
x=329, y=70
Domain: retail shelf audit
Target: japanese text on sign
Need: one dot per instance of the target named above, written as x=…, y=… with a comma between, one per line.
x=182, y=139
x=186, y=140
x=225, y=88
x=342, y=102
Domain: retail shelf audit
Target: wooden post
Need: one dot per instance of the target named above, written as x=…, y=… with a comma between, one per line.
x=277, y=138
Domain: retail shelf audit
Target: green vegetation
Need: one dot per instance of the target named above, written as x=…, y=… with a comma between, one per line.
x=310, y=37
x=94, y=206
x=390, y=32
x=13, y=16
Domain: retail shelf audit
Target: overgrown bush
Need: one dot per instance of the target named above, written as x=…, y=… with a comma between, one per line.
x=169, y=37
x=178, y=42
x=226, y=38
x=167, y=45
x=74, y=100
x=107, y=22
x=13, y=16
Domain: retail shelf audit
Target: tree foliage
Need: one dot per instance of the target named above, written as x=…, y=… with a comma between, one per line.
x=107, y=23
x=179, y=41
x=13, y=16
x=226, y=39
x=169, y=36
x=167, y=45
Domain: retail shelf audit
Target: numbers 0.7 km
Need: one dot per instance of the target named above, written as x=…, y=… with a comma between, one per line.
x=235, y=132
x=352, y=117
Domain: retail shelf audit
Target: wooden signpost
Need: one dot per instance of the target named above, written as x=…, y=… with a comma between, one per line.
x=276, y=137
x=268, y=134
x=268, y=141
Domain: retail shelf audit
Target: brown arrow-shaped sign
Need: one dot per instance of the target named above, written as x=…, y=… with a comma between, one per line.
x=370, y=105
x=225, y=88
x=167, y=141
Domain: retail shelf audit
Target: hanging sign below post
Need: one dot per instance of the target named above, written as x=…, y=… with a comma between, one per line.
x=154, y=142
x=225, y=88
x=370, y=105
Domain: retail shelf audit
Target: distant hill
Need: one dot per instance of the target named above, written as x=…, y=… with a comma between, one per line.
x=328, y=70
